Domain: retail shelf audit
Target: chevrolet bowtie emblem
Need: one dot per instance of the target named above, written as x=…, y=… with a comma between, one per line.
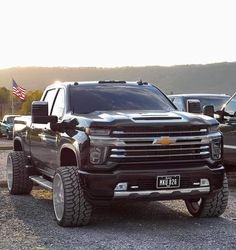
x=164, y=141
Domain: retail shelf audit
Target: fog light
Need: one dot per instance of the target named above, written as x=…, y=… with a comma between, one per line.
x=96, y=155
x=122, y=186
x=204, y=182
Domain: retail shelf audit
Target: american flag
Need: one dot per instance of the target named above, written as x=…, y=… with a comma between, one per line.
x=18, y=90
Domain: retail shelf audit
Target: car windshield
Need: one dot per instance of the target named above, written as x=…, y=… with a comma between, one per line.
x=10, y=119
x=86, y=99
x=216, y=101
x=230, y=108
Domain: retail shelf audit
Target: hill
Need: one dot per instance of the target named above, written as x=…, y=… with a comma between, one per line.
x=210, y=78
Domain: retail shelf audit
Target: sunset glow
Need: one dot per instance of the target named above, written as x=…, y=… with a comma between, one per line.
x=109, y=33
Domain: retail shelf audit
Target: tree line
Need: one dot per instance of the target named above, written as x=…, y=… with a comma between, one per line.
x=11, y=104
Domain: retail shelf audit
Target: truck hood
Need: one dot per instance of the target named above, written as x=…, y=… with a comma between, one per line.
x=144, y=118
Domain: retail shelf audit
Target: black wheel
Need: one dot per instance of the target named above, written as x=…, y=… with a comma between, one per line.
x=212, y=206
x=17, y=175
x=70, y=205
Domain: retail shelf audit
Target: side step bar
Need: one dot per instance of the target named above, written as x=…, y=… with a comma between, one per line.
x=41, y=181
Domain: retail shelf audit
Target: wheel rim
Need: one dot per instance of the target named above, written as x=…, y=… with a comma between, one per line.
x=9, y=173
x=58, y=197
x=195, y=205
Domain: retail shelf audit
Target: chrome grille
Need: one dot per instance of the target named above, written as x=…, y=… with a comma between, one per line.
x=136, y=146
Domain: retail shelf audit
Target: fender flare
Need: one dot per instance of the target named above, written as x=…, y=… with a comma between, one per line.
x=72, y=148
x=18, y=138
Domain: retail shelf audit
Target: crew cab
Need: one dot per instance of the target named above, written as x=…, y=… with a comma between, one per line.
x=95, y=142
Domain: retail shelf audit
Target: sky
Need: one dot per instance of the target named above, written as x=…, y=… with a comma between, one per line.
x=116, y=33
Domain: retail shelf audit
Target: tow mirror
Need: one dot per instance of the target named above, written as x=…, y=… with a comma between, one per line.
x=39, y=111
x=208, y=110
x=194, y=106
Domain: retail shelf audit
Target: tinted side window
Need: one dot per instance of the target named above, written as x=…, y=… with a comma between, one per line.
x=49, y=97
x=58, y=107
x=231, y=107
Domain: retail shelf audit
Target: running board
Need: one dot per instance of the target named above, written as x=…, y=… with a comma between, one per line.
x=41, y=181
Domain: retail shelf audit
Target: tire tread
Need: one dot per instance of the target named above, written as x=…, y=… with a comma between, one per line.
x=77, y=210
x=212, y=206
x=21, y=183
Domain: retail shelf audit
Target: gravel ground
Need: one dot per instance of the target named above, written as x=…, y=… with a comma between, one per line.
x=27, y=222
x=4, y=143
x=3, y=160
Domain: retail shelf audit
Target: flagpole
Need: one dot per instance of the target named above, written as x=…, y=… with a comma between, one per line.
x=12, y=105
x=17, y=91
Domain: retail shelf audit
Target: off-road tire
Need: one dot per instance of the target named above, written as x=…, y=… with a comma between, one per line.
x=212, y=206
x=76, y=209
x=19, y=182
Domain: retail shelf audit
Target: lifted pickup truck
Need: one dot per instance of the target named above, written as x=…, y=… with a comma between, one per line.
x=93, y=143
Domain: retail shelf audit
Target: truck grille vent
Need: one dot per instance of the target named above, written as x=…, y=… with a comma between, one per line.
x=158, y=132
x=142, y=146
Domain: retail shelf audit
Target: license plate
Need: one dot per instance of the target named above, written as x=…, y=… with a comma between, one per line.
x=168, y=181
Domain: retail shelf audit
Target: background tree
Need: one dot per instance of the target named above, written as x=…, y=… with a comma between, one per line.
x=26, y=105
x=5, y=103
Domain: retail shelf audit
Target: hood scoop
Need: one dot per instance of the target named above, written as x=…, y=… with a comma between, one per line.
x=153, y=118
x=156, y=117
x=141, y=117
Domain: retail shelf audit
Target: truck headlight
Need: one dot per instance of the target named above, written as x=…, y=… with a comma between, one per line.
x=97, y=132
x=97, y=155
x=216, y=149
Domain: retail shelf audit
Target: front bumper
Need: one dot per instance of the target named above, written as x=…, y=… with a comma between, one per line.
x=101, y=186
x=159, y=193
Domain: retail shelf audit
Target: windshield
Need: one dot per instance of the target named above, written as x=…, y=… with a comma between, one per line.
x=216, y=101
x=10, y=119
x=89, y=98
x=230, y=108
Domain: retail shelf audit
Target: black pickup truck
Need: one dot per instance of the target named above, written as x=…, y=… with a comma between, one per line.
x=93, y=143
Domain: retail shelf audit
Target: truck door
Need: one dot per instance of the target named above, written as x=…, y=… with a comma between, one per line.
x=51, y=138
x=229, y=130
x=40, y=141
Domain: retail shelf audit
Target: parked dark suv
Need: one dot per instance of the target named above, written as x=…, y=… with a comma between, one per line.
x=217, y=100
x=227, y=119
x=225, y=113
